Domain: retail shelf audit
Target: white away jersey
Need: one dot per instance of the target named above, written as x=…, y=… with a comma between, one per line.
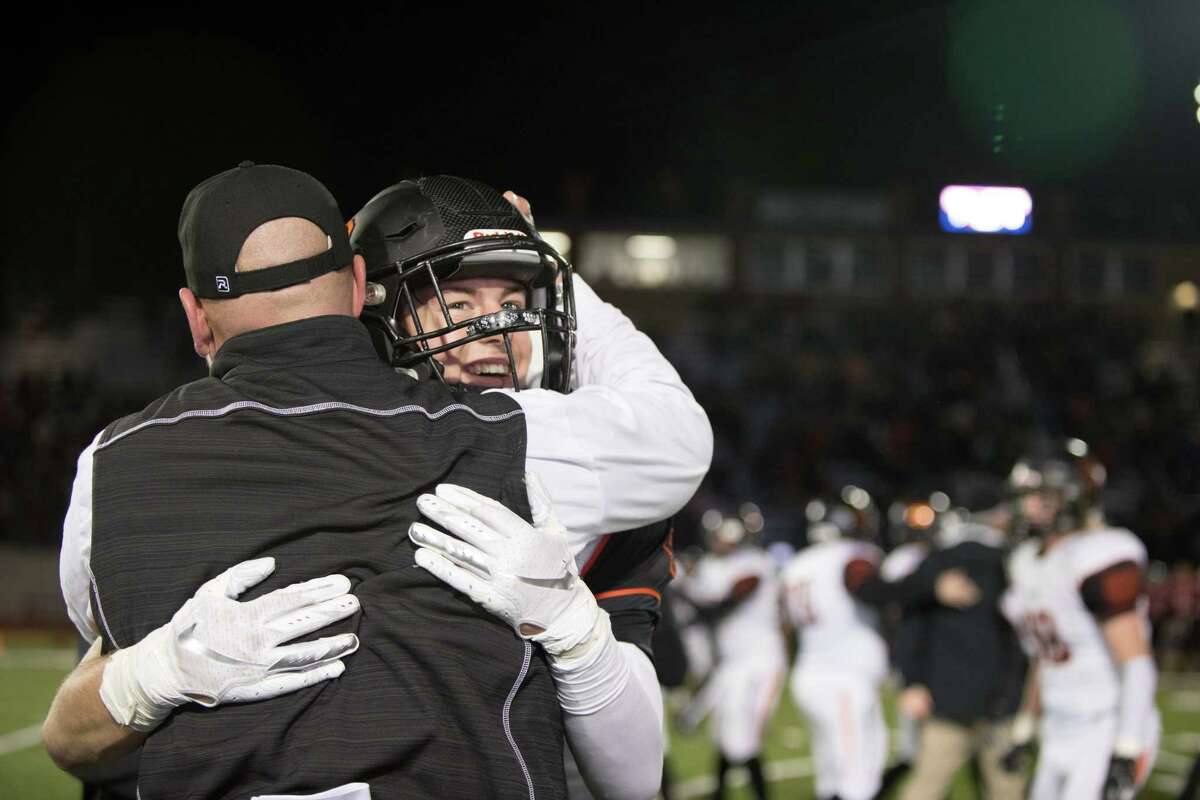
x=836, y=631
x=1078, y=677
x=903, y=561
x=751, y=628
x=629, y=446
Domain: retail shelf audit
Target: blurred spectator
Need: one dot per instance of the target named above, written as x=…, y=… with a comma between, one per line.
x=1174, y=609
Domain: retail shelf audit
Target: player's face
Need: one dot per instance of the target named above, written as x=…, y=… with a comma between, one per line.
x=483, y=362
x=1039, y=508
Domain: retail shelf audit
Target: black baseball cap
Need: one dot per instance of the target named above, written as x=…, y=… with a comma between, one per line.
x=222, y=211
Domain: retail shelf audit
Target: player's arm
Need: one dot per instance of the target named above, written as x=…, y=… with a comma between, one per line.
x=931, y=582
x=214, y=650
x=526, y=575
x=79, y=731
x=1024, y=726
x=630, y=445
x=1112, y=595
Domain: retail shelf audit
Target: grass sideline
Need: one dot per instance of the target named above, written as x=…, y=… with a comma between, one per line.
x=33, y=665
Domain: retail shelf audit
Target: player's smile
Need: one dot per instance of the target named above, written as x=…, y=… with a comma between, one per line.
x=482, y=363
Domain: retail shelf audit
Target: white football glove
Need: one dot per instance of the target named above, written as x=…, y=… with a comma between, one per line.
x=525, y=574
x=218, y=650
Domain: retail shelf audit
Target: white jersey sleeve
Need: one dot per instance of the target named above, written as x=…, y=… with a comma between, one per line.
x=628, y=447
x=903, y=561
x=74, y=569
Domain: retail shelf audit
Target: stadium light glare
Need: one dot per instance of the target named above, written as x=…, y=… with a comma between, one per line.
x=651, y=248
x=1196, y=93
x=814, y=510
x=1185, y=296
x=559, y=241
x=985, y=209
x=920, y=516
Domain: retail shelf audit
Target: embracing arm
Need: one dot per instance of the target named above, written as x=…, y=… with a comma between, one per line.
x=526, y=575
x=628, y=447
x=612, y=709
x=214, y=650
x=79, y=731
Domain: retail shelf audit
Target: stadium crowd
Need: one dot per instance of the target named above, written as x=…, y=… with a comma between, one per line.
x=898, y=401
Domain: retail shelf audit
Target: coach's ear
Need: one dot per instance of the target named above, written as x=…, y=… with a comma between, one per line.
x=202, y=335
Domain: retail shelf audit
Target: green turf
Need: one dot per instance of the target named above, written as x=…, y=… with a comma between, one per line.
x=693, y=757
x=30, y=672
x=28, y=680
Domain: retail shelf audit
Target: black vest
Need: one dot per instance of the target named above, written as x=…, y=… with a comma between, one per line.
x=303, y=446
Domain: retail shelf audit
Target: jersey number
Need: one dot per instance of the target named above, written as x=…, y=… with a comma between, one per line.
x=1050, y=646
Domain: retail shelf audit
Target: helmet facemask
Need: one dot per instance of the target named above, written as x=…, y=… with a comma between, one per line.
x=419, y=237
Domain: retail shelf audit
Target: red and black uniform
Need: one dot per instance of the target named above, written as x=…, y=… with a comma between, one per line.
x=628, y=573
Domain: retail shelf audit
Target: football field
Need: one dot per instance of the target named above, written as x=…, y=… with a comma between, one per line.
x=31, y=668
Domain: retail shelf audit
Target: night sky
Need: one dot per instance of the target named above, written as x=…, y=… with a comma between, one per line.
x=113, y=116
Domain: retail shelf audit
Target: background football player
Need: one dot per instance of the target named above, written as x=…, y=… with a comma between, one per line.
x=1078, y=596
x=842, y=658
x=735, y=587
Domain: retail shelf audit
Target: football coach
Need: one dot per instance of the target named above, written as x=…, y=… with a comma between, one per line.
x=301, y=455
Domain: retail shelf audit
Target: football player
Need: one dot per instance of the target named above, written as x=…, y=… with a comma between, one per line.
x=1078, y=598
x=734, y=585
x=463, y=290
x=842, y=659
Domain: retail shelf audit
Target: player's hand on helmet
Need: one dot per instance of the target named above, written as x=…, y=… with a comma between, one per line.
x=953, y=588
x=217, y=649
x=1121, y=783
x=522, y=205
x=525, y=574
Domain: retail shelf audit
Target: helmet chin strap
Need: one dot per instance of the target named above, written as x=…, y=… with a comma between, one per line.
x=537, y=361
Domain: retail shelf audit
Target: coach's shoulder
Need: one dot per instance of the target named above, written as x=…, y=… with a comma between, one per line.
x=206, y=393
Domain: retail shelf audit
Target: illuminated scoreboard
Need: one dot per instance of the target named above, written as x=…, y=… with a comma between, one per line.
x=985, y=209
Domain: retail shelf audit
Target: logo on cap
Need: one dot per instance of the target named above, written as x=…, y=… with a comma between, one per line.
x=222, y=284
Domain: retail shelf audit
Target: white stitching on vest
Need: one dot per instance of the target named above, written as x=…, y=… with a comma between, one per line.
x=315, y=408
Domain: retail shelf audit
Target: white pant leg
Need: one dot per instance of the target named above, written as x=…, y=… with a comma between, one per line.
x=1079, y=753
x=849, y=735
x=811, y=698
x=1047, y=779
x=747, y=695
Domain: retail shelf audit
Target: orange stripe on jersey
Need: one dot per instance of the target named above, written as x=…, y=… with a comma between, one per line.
x=668, y=547
x=595, y=554
x=1142, y=768
x=646, y=590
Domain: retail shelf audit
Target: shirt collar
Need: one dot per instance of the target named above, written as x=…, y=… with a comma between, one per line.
x=321, y=339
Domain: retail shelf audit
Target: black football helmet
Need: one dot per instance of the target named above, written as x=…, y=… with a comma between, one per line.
x=418, y=233
x=1071, y=474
